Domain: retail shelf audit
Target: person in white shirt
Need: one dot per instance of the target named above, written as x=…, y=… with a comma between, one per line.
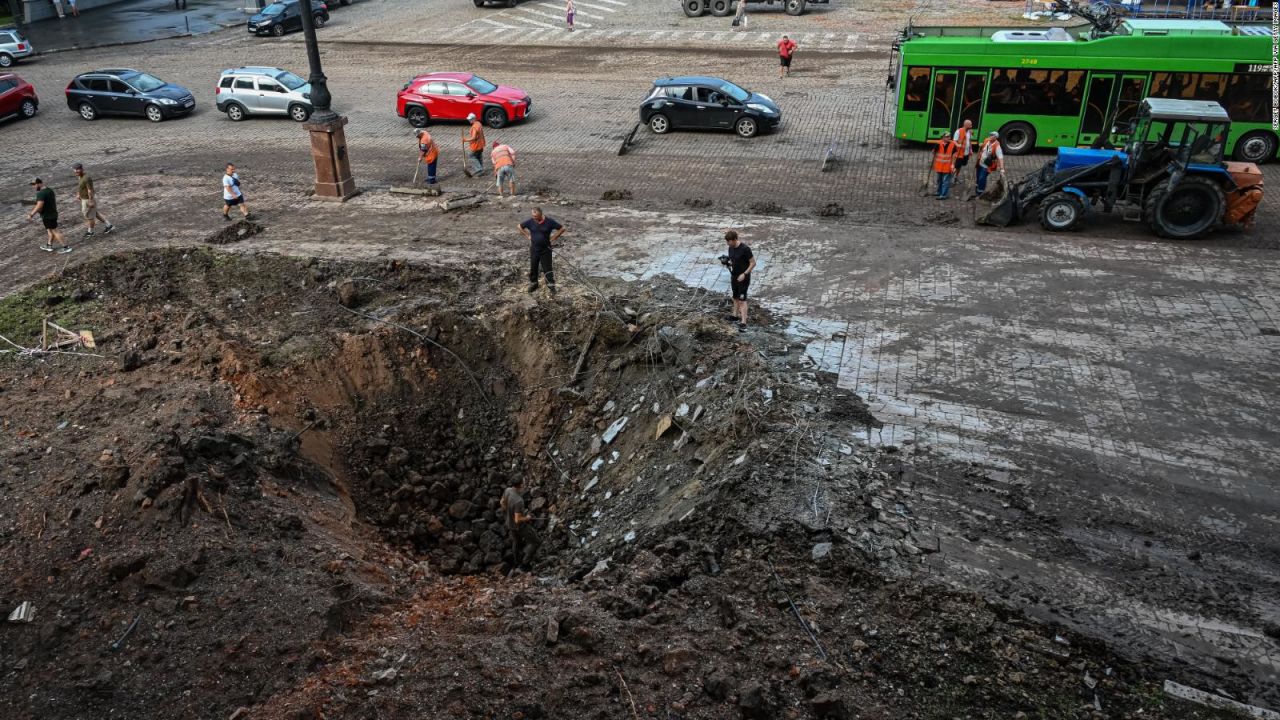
x=232, y=195
x=963, y=136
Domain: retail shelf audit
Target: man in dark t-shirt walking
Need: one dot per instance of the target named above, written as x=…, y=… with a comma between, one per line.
x=741, y=262
x=47, y=208
x=541, y=231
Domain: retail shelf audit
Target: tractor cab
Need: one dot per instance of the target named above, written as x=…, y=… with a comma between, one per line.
x=1170, y=175
x=1177, y=136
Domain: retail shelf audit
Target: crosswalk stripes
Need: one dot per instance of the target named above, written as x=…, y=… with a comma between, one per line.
x=509, y=29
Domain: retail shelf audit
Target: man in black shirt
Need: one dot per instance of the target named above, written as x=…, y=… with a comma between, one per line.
x=47, y=208
x=541, y=231
x=740, y=262
x=524, y=539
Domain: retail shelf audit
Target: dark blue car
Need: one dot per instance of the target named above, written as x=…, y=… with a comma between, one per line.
x=127, y=92
x=697, y=101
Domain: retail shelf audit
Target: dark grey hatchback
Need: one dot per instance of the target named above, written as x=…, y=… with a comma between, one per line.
x=698, y=101
x=123, y=91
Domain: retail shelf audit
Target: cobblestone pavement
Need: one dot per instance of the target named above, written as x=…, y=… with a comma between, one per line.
x=1103, y=396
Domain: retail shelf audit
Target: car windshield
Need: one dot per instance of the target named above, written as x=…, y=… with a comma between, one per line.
x=143, y=82
x=273, y=9
x=735, y=92
x=291, y=81
x=480, y=85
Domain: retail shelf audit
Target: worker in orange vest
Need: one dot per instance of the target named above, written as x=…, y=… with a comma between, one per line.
x=990, y=160
x=964, y=138
x=474, y=144
x=504, y=166
x=428, y=154
x=944, y=164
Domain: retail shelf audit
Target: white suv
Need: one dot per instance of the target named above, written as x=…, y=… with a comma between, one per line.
x=13, y=46
x=263, y=91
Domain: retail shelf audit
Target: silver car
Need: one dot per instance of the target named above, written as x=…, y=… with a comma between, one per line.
x=13, y=47
x=263, y=91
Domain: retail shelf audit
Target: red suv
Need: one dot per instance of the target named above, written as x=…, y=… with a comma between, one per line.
x=17, y=97
x=453, y=96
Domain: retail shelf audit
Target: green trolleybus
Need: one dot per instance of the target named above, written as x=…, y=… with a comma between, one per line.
x=1053, y=87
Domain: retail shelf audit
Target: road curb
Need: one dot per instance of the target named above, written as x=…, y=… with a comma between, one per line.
x=124, y=43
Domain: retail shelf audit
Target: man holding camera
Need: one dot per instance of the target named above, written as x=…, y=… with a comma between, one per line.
x=740, y=262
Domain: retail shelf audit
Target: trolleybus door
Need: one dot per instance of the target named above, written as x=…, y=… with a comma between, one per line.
x=1133, y=88
x=942, y=104
x=973, y=92
x=1097, y=108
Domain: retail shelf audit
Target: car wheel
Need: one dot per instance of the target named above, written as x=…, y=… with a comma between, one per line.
x=695, y=8
x=746, y=127
x=721, y=8
x=1256, y=147
x=511, y=3
x=319, y=21
x=1018, y=138
x=478, y=3
x=277, y=30
x=6, y=60
x=87, y=111
x=417, y=116
x=299, y=113
x=153, y=113
x=235, y=112
x=495, y=117
x=28, y=108
x=1061, y=212
x=659, y=124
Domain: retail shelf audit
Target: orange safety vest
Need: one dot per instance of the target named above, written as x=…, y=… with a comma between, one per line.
x=502, y=156
x=944, y=158
x=991, y=151
x=476, y=139
x=965, y=142
x=430, y=151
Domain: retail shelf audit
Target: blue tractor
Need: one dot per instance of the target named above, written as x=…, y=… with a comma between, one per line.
x=1170, y=175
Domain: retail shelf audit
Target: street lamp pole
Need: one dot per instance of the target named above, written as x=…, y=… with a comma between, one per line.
x=328, y=140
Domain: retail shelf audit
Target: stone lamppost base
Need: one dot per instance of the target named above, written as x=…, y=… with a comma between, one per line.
x=333, y=167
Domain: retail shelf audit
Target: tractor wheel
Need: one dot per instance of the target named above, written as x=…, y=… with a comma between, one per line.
x=1061, y=212
x=1018, y=138
x=794, y=7
x=1187, y=211
x=721, y=8
x=1256, y=147
x=695, y=8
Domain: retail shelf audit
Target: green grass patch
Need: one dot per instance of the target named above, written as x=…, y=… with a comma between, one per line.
x=22, y=315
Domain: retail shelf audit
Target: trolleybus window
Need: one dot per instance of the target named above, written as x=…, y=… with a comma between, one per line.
x=917, y=95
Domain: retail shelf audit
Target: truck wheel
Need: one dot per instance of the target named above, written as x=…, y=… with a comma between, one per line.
x=1061, y=211
x=1256, y=147
x=1189, y=210
x=695, y=8
x=795, y=7
x=721, y=8
x=1018, y=138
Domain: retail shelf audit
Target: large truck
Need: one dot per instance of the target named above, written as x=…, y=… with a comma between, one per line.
x=724, y=8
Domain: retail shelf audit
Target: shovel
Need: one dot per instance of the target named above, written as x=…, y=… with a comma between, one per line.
x=466, y=159
x=414, y=189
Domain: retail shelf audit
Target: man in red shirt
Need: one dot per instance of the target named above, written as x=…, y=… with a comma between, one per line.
x=786, y=48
